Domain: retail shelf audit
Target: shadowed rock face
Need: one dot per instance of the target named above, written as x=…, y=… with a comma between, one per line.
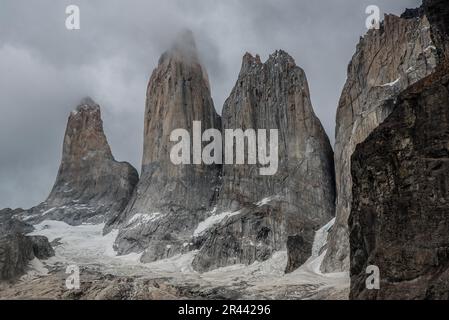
x=90, y=186
x=386, y=62
x=299, y=198
x=16, y=249
x=399, y=220
x=170, y=200
x=438, y=15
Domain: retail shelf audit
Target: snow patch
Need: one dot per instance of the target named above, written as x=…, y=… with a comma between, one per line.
x=87, y=239
x=212, y=221
x=133, y=258
x=48, y=211
x=179, y=263
x=274, y=266
x=391, y=84
x=264, y=201
x=85, y=245
x=320, y=239
x=143, y=218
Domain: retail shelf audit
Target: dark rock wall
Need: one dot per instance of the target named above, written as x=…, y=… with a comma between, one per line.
x=400, y=211
x=17, y=250
x=386, y=62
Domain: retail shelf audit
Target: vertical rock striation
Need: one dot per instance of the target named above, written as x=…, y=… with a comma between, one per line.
x=386, y=62
x=91, y=187
x=170, y=200
x=257, y=214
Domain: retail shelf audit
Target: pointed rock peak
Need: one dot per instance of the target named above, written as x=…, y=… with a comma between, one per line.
x=84, y=134
x=282, y=58
x=183, y=49
x=279, y=57
x=91, y=187
x=248, y=57
x=86, y=104
x=249, y=61
x=185, y=41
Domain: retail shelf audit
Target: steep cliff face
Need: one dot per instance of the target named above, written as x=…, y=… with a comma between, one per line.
x=438, y=14
x=386, y=62
x=170, y=200
x=257, y=214
x=399, y=219
x=91, y=186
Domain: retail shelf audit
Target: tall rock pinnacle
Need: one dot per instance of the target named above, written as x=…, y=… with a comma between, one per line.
x=170, y=199
x=90, y=186
x=386, y=61
x=262, y=213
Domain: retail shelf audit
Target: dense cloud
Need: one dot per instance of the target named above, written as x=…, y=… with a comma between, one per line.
x=46, y=69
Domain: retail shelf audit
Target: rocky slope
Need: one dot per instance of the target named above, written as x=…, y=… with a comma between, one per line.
x=386, y=62
x=399, y=219
x=10, y=222
x=91, y=186
x=258, y=214
x=170, y=200
x=104, y=275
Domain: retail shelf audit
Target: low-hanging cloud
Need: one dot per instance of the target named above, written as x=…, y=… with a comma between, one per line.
x=46, y=69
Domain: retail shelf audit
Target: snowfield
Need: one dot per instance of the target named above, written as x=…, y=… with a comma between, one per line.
x=85, y=246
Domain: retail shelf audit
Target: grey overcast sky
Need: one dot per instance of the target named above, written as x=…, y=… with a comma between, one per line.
x=46, y=69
